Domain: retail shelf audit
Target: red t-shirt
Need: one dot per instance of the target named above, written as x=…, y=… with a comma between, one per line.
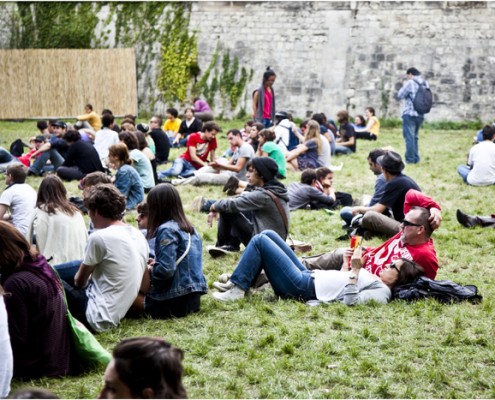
x=25, y=159
x=203, y=148
x=424, y=254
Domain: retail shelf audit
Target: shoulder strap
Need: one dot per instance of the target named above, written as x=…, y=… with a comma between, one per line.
x=276, y=200
x=187, y=251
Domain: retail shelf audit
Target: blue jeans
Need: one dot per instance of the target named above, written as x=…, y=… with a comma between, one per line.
x=5, y=156
x=410, y=131
x=180, y=167
x=39, y=165
x=342, y=150
x=67, y=271
x=288, y=277
x=267, y=122
x=463, y=170
x=346, y=215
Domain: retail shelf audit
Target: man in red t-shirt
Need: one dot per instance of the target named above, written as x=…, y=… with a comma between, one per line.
x=413, y=242
x=200, y=145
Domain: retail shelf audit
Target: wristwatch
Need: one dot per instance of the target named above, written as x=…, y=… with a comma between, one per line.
x=353, y=276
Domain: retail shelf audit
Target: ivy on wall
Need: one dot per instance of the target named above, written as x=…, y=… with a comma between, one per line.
x=54, y=25
x=179, y=55
x=229, y=82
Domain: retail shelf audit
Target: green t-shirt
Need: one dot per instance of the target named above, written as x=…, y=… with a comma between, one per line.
x=274, y=151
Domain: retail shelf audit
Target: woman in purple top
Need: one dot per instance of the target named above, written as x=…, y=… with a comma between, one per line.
x=38, y=326
x=202, y=110
x=306, y=154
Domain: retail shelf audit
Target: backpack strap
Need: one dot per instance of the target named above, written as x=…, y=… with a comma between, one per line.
x=280, y=208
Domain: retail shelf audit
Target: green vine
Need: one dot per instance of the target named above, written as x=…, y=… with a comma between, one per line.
x=179, y=55
x=54, y=25
x=229, y=83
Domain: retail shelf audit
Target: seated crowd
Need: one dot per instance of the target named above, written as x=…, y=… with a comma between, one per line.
x=111, y=270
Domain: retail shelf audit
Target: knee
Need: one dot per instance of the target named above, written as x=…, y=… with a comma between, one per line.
x=369, y=218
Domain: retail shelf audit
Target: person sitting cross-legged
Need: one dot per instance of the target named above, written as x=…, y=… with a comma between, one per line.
x=108, y=280
x=221, y=170
x=480, y=168
x=200, y=146
x=290, y=279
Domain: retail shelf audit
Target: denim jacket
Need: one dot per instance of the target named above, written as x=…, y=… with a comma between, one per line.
x=129, y=183
x=169, y=280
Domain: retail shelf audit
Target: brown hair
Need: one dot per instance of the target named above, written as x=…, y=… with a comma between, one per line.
x=107, y=200
x=14, y=247
x=146, y=362
x=141, y=138
x=164, y=205
x=121, y=152
x=267, y=134
x=52, y=196
x=94, y=178
x=408, y=272
x=18, y=173
x=130, y=139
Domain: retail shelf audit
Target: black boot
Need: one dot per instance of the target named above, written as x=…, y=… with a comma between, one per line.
x=467, y=220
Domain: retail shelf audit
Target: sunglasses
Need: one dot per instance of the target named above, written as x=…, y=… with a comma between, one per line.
x=409, y=223
x=393, y=266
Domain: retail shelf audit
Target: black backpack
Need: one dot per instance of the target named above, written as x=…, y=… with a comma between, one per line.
x=424, y=99
x=17, y=148
x=443, y=291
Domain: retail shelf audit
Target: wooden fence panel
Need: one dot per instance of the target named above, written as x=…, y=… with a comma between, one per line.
x=57, y=83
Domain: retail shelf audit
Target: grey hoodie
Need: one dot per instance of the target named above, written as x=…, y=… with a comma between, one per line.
x=265, y=212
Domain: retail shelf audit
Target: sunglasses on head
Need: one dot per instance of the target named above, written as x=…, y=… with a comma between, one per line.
x=409, y=223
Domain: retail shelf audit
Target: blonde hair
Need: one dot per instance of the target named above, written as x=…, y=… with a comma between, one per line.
x=313, y=132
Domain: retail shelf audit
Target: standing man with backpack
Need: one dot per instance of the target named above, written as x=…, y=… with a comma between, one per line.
x=418, y=100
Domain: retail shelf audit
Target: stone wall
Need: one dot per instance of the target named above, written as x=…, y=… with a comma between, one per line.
x=332, y=55
x=335, y=55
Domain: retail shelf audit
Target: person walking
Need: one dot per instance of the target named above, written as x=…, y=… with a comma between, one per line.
x=411, y=119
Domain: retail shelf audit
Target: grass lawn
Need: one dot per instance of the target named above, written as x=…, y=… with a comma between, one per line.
x=265, y=347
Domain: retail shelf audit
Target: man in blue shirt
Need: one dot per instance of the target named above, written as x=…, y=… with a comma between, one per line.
x=411, y=119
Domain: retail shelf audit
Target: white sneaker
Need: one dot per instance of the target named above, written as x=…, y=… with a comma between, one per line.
x=223, y=287
x=178, y=181
x=236, y=293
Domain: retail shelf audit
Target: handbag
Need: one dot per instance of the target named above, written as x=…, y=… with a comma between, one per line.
x=295, y=245
x=89, y=351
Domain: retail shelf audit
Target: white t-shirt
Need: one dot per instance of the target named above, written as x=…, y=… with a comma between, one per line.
x=103, y=140
x=21, y=199
x=245, y=151
x=482, y=158
x=119, y=254
x=325, y=157
x=330, y=283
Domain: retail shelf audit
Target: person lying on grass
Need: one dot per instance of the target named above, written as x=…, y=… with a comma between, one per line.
x=290, y=278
